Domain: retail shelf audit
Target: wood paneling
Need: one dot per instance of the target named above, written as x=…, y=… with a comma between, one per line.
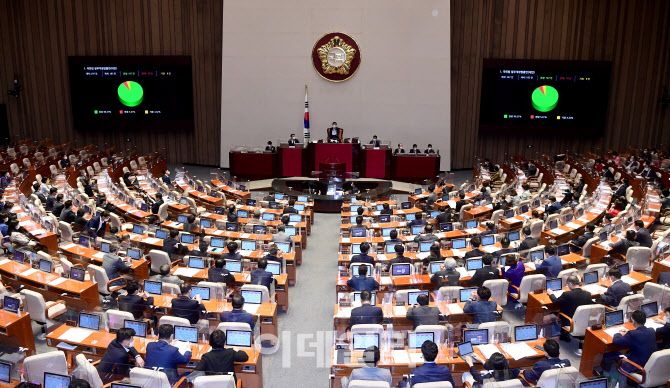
x=37, y=36
x=633, y=35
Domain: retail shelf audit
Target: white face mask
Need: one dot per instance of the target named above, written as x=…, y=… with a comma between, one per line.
x=666, y=318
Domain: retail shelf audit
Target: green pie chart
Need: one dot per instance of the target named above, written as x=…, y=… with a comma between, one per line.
x=130, y=93
x=545, y=98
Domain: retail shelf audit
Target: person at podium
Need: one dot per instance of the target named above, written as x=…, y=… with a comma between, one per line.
x=415, y=149
x=292, y=142
x=334, y=133
x=429, y=150
x=399, y=150
x=375, y=142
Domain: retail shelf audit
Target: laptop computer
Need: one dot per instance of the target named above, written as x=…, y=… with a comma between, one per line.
x=362, y=341
x=650, y=309
x=470, y=224
x=152, y=287
x=536, y=255
x=384, y=218
x=401, y=269
x=11, y=305
x=205, y=223
x=390, y=248
x=413, y=296
x=302, y=198
x=356, y=249
x=563, y=250
x=161, y=234
x=624, y=268
x=509, y=213
x=465, y=349
x=514, y=236
x=196, y=262
x=373, y=297
x=138, y=229
x=599, y=382
x=78, y=274
x=217, y=242
x=250, y=202
x=140, y=327
x=239, y=338
x=105, y=247
x=294, y=218
x=253, y=297
x=274, y=268
x=473, y=264
x=476, y=336
x=410, y=217
x=242, y=214
x=286, y=247
x=54, y=380
x=525, y=333
x=424, y=246
x=260, y=229
x=458, y=243
x=613, y=318
x=5, y=372
x=45, y=265
x=89, y=321
x=435, y=266
x=386, y=232
x=187, y=238
x=186, y=333
x=590, y=277
x=234, y=266
x=232, y=226
x=358, y=232
x=489, y=239
x=446, y=227
x=405, y=205
x=554, y=284
x=464, y=293
x=133, y=253
x=415, y=340
x=182, y=219
x=202, y=291
x=417, y=229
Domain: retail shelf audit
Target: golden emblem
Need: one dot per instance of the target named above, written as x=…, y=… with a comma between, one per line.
x=336, y=56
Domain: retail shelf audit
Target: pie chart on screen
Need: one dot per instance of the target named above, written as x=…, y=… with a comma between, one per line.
x=545, y=98
x=130, y=93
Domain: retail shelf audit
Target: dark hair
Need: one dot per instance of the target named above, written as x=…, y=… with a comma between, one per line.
x=429, y=350
x=487, y=259
x=428, y=228
x=53, y=190
x=591, y=226
x=164, y=269
x=639, y=223
x=217, y=339
x=291, y=202
x=68, y=204
x=362, y=270
x=639, y=317
x=281, y=228
x=79, y=383
x=535, y=214
x=232, y=246
x=174, y=233
x=526, y=230
x=475, y=242
x=630, y=235
x=616, y=272
x=131, y=286
x=399, y=249
x=165, y=331
x=262, y=263
x=393, y=234
x=371, y=354
x=500, y=367
x=551, y=347
x=59, y=197
x=423, y=300
x=418, y=215
x=159, y=195
x=510, y=260
x=574, y=280
x=124, y=334
x=505, y=242
x=220, y=263
x=386, y=206
x=550, y=249
x=484, y=293
x=461, y=195
x=435, y=249
x=81, y=212
x=184, y=288
x=237, y=301
x=191, y=219
x=359, y=220
x=273, y=250
x=360, y=212
x=366, y=296
x=115, y=230
x=365, y=247
x=36, y=186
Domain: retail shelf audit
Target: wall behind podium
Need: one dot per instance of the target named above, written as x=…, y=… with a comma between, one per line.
x=401, y=91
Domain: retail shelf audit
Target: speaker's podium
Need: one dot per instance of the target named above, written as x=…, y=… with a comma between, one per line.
x=332, y=176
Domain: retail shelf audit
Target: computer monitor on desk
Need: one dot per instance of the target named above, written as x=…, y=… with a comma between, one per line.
x=260, y=229
x=186, y=333
x=286, y=247
x=476, y=337
x=525, y=333
x=362, y=341
x=234, y=266
x=415, y=340
x=473, y=264
x=239, y=338
x=384, y=218
x=78, y=274
x=599, y=382
x=5, y=372
x=54, y=380
x=140, y=327
x=11, y=305
x=89, y=321
x=613, y=318
x=465, y=293
x=152, y=287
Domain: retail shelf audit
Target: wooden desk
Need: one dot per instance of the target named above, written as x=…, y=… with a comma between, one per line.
x=48, y=239
x=658, y=267
x=478, y=212
x=16, y=331
x=253, y=165
x=95, y=345
x=411, y=168
x=86, y=255
x=230, y=191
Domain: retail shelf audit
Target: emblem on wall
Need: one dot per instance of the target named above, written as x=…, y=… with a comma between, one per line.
x=336, y=56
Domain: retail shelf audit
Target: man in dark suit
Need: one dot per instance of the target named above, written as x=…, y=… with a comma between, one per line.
x=461, y=201
x=273, y=255
x=429, y=150
x=171, y=244
x=570, y=300
x=588, y=234
x=115, y=363
x=363, y=257
x=393, y=238
x=366, y=313
x=164, y=356
x=432, y=197
x=399, y=150
x=427, y=235
x=528, y=242
x=447, y=275
x=219, y=273
x=400, y=257
x=641, y=342
x=290, y=209
x=98, y=224
x=552, y=265
x=444, y=216
x=504, y=243
x=429, y=371
x=486, y=272
x=334, y=133
x=415, y=149
x=67, y=215
x=232, y=252
x=386, y=210
x=664, y=331
x=292, y=141
x=58, y=206
x=617, y=290
x=133, y=301
x=480, y=306
x=475, y=242
x=375, y=142
x=621, y=247
x=38, y=193
x=190, y=226
x=220, y=360
x=642, y=237
x=532, y=169
x=261, y=276
x=580, y=187
x=423, y=314
x=621, y=191
x=80, y=220
x=166, y=177
x=155, y=207
x=112, y=264
x=552, y=350
x=418, y=220
x=185, y=307
x=237, y=314
x=362, y=282
x=51, y=199
x=554, y=207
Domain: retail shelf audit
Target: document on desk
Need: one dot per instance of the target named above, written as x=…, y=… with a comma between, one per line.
x=345, y=240
x=57, y=281
x=488, y=350
x=558, y=231
x=75, y=334
x=558, y=293
x=473, y=231
x=344, y=312
x=4, y=261
x=400, y=357
x=572, y=225
x=66, y=346
x=218, y=232
x=99, y=255
x=245, y=235
x=25, y=223
x=251, y=308
x=653, y=324
x=458, y=252
x=613, y=330
x=563, y=262
x=399, y=311
x=422, y=255
x=531, y=265
x=490, y=248
x=151, y=240
x=454, y=308
x=183, y=347
x=385, y=280
x=68, y=246
x=519, y=350
x=416, y=358
x=37, y=232
x=188, y=272
x=628, y=279
x=594, y=289
x=28, y=272
x=381, y=256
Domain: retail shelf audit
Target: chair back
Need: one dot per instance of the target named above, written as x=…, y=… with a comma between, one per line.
x=115, y=220
x=158, y=258
x=657, y=293
x=133, y=165
x=34, y=305
x=530, y=283
x=586, y=316
x=499, y=288
x=536, y=229
x=600, y=267
x=433, y=384
x=559, y=377
x=217, y=290
x=163, y=211
x=515, y=383
x=565, y=274
x=630, y=303
x=368, y=329
x=403, y=295
x=53, y=169
x=149, y=378
x=657, y=369
x=86, y=371
x=639, y=258
x=100, y=277
x=449, y=293
x=495, y=217
x=501, y=328
x=116, y=318
x=223, y=381
x=170, y=320
x=258, y=287
x=465, y=208
x=440, y=332
x=225, y=326
x=96, y=167
x=368, y=384
x=65, y=231
x=586, y=250
x=35, y=366
x=170, y=288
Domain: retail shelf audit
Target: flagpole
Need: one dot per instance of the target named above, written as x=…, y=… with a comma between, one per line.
x=306, y=119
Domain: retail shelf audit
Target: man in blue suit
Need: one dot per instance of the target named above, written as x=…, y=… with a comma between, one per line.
x=642, y=237
x=418, y=220
x=429, y=372
x=238, y=314
x=552, y=265
x=552, y=350
x=617, y=290
x=479, y=305
x=164, y=356
x=553, y=207
x=98, y=223
x=641, y=341
x=363, y=257
x=261, y=276
x=362, y=282
x=185, y=307
x=366, y=314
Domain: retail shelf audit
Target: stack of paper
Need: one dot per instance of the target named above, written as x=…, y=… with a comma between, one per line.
x=653, y=324
x=558, y=231
x=344, y=239
x=345, y=312
x=613, y=330
x=400, y=357
x=57, y=281
x=572, y=225
x=28, y=272
x=416, y=358
x=399, y=311
x=385, y=280
x=68, y=246
x=519, y=350
x=595, y=289
x=628, y=279
x=490, y=248
x=488, y=350
x=75, y=334
x=99, y=255
x=454, y=308
x=37, y=232
x=188, y=272
x=558, y=293
x=251, y=308
x=473, y=231
x=150, y=240
x=4, y=261
x=531, y=265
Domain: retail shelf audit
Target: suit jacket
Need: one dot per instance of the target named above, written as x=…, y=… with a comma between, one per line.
x=543, y=365
x=445, y=278
x=515, y=274
x=293, y=142
x=643, y=238
x=290, y=210
x=375, y=143
x=551, y=266
x=51, y=200
x=460, y=203
x=116, y=360
x=570, y=300
x=221, y=361
x=431, y=198
x=553, y=208
x=485, y=273
x=262, y=277
x=112, y=264
x=617, y=291
x=641, y=342
x=622, y=246
x=363, y=283
x=134, y=304
x=443, y=218
x=220, y=275
x=161, y=354
x=665, y=333
x=41, y=197
x=425, y=237
x=185, y=307
x=621, y=191
x=527, y=243
x=172, y=279
x=362, y=258
x=170, y=246
x=238, y=316
x=67, y=215
x=365, y=314
x=399, y=151
x=414, y=151
x=281, y=237
x=371, y=374
x=417, y=222
x=430, y=372
x=424, y=315
x=581, y=240
x=475, y=252
x=81, y=221
x=483, y=310
x=166, y=179
x=156, y=206
x=97, y=225
x=429, y=151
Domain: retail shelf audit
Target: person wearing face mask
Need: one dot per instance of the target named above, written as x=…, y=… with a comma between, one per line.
x=334, y=133
x=399, y=150
x=292, y=142
x=665, y=330
x=166, y=178
x=115, y=363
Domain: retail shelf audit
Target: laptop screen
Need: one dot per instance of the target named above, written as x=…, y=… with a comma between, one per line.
x=260, y=229
x=5, y=372
x=525, y=333
x=650, y=309
x=624, y=268
x=458, y=243
x=151, y=287
x=554, y=284
x=410, y=217
x=187, y=238
x=476, y=337
x=105, y=247
x=473, y=264
x=45, y=266
x=509, y=213
x=294, y=218
x=363, y=341
x=402, y=269
x=299, y=207
x=435, y=266
x=186, y=333
x=553, y=224
x=464, y=293
x=513, y=236
x=418, y=190
x=357, y=232
x=373, y=296
x=274, y=268
x=356, y=248
x=140, y=327
x=161, y=234
x=603, y=236
x=248, y=245
x=424, y=246
x=446, y=227
x=182, y=218
x=89, y=321
x=202, y=291
x=390, y=248
x=11, y=304
x=231, y=226
x=284, y=246
x=205, y=223
x=415, y=340
x=84, y=241
x=268, y=217
x=279, y=196
x=537, y=255
x=469, y=224
x=386, y=232
x=614, y=318
x=196, y=262
x=53, y=380
x=303, y=198
x=591, y=277
x=354, y=208
x=563, y=249
x=138, y=229
x=417, y=229
x=255, y=297
x=240, y=338
x=219, y=210
x=465, y=348
x=242, y=214
x=600, y=382
x=380, y=207
x=406, y=205
x=217, y=242
x=133, y=253
x=384, y=218
x=412, y=296
x=234, y=266
x=78, y=274
x=488, y=240
x=250, y=202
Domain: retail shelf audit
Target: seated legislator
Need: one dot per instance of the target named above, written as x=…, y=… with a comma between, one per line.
x=185, y=307
x=133, y=301
x=447, y=275
x=642, y=234
x=399, y=257
x=429, y=150
x=166, y=177
x=505, y=249
x=386, y=209
x=370, y=372
x=334, y=133
x=290, y=209
x=67, y=215
x=262, y=277
x=255, y=218
x=552, y=265
x=358, y=224
x=528, y=241
x=393, y=238
x=273, y=254
x=641, y=343
x=445, y=215
x=415, y=150
x=232, y=252
x=281, y=236
x=219, y=360
x=418, y=220
x=423, y=314
x=51, y=199
x=554, y=207
x=293, y=141
x=588, y=234
x=621, y=247
x=399, y=150
x=479, y=305
x=552, y=351
x=366, y=313
x=237, y=314
x=664, y=331
x=487, y=272
x=362, y=282
x=190, y=226
x=427, y=236
x=475, y=243
x=58, y=206
x=163, y=355
x=434, y=255
x=432, y=197
x=165, y=276
x=617, y=290
x=269, y=147
x=570, y=300
x=155, y=207
x=112, y=264
x=219, y=273
x=375, y=142
x=495, y=369
x=115, y=363
x=80, y=221
x=461, y=201
x=171, y=244
x=363, y=257
x=429, y=371
x=98, y=223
